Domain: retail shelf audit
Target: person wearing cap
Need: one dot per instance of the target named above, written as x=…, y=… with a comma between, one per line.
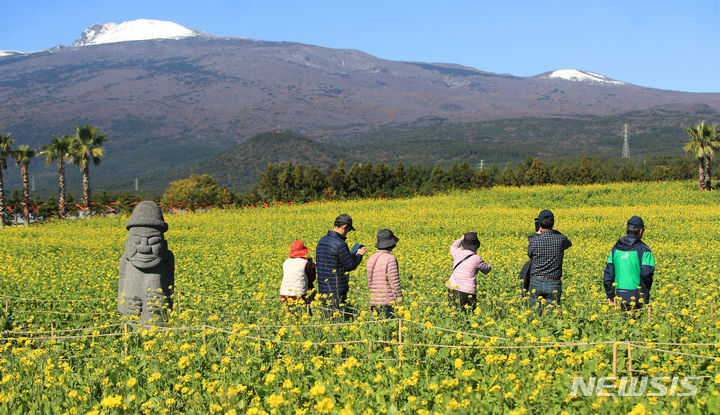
x=298, y=275
x=384, y=276
x=546, y=249
x=334, y=261
x=462, y=285
x=630, y=268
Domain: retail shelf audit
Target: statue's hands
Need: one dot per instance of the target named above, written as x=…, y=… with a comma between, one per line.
x=156, y=302
x=134, y=305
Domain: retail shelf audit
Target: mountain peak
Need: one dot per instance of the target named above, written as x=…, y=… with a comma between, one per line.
x=581, y=76
x=141, y=29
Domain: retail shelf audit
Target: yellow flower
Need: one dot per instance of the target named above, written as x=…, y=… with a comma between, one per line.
x=324, y=406
x=111, y=401
x=639, y=409
x=275, y=400
x=131, y=382
x=458, y=363
x=317, y=389
x=214, y=408
x=184, y=362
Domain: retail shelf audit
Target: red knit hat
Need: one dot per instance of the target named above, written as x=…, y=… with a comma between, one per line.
x=298, y=249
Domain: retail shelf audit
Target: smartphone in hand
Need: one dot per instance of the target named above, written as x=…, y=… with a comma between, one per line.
x=355, y=248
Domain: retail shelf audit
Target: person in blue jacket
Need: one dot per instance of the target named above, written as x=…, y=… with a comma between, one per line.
x=334, y=260
x=630, y=268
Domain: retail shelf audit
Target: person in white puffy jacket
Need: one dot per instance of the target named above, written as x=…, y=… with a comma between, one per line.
x=298, y=275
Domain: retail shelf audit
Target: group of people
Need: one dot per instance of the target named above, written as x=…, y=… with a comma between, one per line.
x=628, y=274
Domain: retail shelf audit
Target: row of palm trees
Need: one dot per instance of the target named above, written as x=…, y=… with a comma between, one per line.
x=703, y=142
x=81, y=148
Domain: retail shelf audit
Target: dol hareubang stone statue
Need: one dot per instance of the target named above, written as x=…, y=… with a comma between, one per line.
x=147, y=268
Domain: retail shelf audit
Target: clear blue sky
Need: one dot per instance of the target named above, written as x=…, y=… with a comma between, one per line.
x=667, y=44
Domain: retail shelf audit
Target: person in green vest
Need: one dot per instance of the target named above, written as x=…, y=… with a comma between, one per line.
x=630, y=268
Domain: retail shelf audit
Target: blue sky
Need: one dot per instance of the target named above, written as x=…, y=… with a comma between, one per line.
x=667, y=44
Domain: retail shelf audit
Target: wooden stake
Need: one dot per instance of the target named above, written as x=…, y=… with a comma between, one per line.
x=370, y=346
x=125, y=330
x=258, y=340
x=648, y=309
x=614, y=363
x=629, y=350
x=399, y=330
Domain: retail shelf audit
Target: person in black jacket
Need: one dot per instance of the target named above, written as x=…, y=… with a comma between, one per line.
x=630, y=268
x=334, y=261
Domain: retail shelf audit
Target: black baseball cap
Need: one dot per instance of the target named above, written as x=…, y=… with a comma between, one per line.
x=637, y=222
x=345, y=219
x=545, y=214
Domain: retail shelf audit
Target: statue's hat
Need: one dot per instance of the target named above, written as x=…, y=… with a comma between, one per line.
x=148, y=214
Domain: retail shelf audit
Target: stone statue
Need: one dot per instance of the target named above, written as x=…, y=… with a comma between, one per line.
x=147, y=268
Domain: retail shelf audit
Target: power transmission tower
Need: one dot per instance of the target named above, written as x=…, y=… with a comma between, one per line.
x=482, y=165
x=626, y=144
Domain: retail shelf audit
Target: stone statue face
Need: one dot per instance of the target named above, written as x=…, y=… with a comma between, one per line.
x=144, y=247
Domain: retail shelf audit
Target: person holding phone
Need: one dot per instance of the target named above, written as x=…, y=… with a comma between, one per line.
x=334, y=261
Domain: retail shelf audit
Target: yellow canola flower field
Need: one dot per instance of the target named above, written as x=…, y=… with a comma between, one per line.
x=230, y=347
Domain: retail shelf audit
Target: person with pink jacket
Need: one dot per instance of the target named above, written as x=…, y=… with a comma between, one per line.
x=466, y=264
x=384, y=276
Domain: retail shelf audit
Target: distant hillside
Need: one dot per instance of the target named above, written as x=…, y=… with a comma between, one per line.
x=166, y=104
x=654, y=132
x=239, y=166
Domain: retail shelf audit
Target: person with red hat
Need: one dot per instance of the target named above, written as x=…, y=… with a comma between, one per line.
x=298, y=275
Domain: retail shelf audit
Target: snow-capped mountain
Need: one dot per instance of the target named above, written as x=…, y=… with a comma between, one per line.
x=142, y=29
x=580, y=76
x=9, y=52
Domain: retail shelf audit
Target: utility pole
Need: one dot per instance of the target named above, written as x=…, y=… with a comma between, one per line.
x=32, y=183
x=626, y=144
x=137, y=185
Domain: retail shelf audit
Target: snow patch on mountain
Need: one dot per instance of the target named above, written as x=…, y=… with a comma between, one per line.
x=9, y=52
x=142, y=29
x=582, y=76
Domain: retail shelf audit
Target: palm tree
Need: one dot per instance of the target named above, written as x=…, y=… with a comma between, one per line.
x=58, y=149
x=22, y=157
x=702, y=144
x=5, y=152
x=87, y=147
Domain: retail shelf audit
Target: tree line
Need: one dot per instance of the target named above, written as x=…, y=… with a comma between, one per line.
x=83, y=147
x=288, y=182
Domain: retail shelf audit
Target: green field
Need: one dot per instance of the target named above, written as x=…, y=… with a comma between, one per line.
x=229, y=346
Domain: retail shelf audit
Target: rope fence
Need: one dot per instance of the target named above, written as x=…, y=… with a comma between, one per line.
x=258, y=338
